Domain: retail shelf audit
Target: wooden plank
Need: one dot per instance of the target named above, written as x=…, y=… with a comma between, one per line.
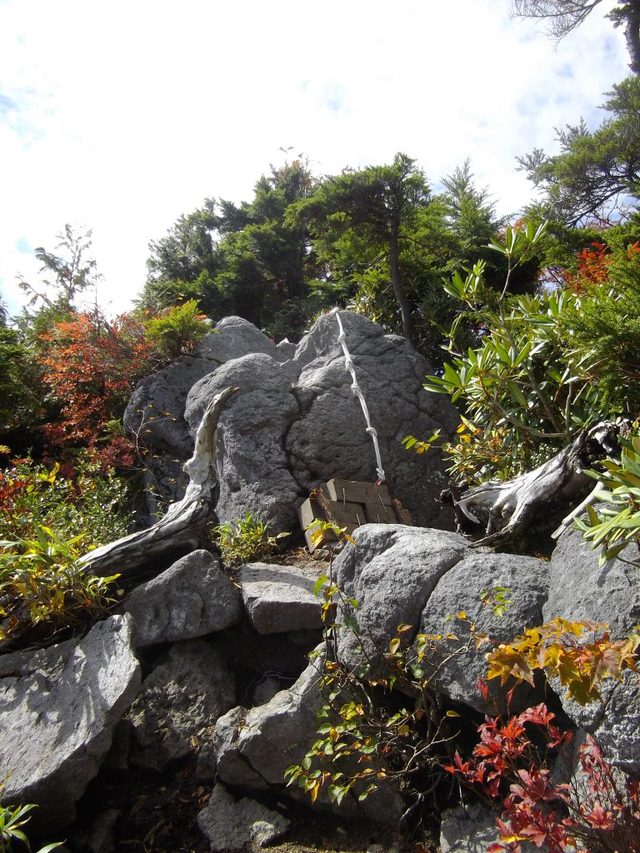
x=354, y=491
x=308, y=512
x=346, y=513
x=378, y=514
x=403, y=515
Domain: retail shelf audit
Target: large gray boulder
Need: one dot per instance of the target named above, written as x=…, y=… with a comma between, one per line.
x=252, y=464
x=190, y=599
x=156, y=408
x=179, y=703
x=154, y=411
x=390, y=571
x=230, y=824
x=295, y=421
x=58, y=709
x=329, y=438
x=279, y=598
x=424, y=578
x=581, y=590
x=462, y=589
x=234, y=337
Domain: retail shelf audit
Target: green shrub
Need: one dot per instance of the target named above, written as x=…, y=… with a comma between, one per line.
x=178, y=330
x=246, y=539
x=47, y=521
x=613, y=521
x=12, y=819
x=80, y=498
x=41, y=582
x=524, y=387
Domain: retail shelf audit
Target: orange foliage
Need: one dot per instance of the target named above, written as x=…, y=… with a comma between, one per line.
x=593, y=268
x=91, y=365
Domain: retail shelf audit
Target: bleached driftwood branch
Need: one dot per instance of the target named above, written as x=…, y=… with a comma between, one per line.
x=181, y=527
x=505, y=509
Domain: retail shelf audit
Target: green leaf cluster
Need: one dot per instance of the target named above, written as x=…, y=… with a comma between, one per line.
x=614, y=520
x=246, y=539
x=12, y=819
x=177, y=330
x=540, y=367
x=47, y=521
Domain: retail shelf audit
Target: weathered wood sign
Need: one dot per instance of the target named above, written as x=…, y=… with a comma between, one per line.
x=349, y=504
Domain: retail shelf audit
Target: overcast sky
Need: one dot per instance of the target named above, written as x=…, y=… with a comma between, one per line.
x=121, y=115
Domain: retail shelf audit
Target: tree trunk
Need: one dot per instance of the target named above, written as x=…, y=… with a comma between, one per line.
x=396, y=283
x=183, y=527
x=506, y=509
x=632, y=35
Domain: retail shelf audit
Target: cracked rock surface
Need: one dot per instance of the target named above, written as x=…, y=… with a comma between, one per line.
x=295, y=422
x=179, y=703
x=190, y=599
x=58, y=709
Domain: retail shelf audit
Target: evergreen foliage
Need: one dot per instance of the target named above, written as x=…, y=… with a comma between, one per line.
x=596, y=175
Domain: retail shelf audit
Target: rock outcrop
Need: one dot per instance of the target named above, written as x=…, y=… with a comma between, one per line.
x=295, y=421
x=229, y=695
x=58, y=709
x=190, y=599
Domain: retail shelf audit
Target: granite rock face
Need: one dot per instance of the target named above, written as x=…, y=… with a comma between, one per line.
x=156, y=408
x=295, y=422
x=58, y=709
x=255, y=746
x=179, y=703
x=279, y=598
x=190, y=599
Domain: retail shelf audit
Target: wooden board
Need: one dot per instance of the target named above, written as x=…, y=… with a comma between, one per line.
x=349, y=504
x=353, y=491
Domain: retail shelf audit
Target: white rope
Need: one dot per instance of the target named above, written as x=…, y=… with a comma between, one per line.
x=355, y=388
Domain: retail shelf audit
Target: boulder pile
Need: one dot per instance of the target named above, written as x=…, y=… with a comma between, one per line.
x=208, y=669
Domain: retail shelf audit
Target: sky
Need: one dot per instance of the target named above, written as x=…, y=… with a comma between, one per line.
x=120, y=116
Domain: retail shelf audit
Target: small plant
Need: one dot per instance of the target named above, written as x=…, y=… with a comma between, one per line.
x=497, y=598
x=377, y=727
x=42, y=583
x=246, y=539
x=12, y=819
x=83, y=496
x=511, y=765
x=178, y=330
x=366, y=738
x=47, y=521
x=614, y=521
x=580, y=654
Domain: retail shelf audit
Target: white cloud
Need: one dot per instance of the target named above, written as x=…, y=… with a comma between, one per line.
x=128, y=114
